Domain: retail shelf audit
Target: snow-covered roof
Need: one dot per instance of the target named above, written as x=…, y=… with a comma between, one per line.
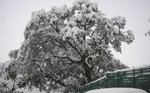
x=117, y=90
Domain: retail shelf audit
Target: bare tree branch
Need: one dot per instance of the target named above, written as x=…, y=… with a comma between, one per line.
x=69, y=58
x=74, y=48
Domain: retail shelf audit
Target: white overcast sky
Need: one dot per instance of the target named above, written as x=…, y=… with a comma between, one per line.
x=14, y=15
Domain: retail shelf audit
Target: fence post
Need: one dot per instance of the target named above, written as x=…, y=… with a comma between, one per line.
x=91, y=86
x=141, y=71
x=107, y=81
x=133, y=78
x=118, y=78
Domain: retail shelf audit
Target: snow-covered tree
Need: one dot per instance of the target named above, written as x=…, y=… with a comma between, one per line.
x=3, y=82
x=6, y=85
x=69, y=46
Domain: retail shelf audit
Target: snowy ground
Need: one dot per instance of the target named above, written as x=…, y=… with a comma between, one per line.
x=117, y=90
x=36, y=90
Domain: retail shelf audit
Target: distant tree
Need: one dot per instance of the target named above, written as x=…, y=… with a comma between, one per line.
x=148, y=33
x=69, y=47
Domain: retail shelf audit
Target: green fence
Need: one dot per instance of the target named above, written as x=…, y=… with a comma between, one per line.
x=133, y=78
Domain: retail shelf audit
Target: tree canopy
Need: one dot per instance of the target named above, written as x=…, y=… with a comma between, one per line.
x=69, y=46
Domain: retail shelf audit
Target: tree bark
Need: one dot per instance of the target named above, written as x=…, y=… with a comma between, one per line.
x=88, y=71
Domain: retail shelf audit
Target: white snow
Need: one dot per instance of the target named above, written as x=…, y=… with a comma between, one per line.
x=88, y=37
x=19, y=76
x=93, y=28
x=116, y=29
x=117, y=90
x=33, y=90
x=131, y=69
x=96, y=80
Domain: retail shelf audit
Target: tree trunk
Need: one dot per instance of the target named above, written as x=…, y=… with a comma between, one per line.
x=88, y=71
